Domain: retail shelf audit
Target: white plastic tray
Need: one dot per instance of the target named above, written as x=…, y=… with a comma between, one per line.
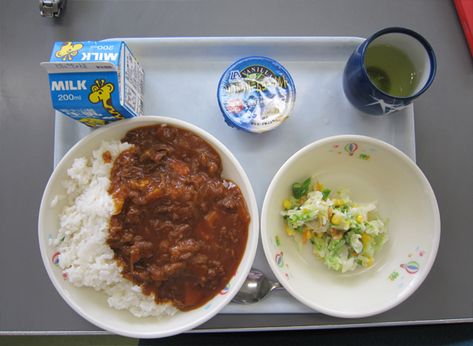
x=181, y=78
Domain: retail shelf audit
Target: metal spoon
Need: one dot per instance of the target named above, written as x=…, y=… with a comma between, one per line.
x=256, y=287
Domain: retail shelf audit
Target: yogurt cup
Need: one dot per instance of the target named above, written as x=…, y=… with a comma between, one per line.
x=256, y=94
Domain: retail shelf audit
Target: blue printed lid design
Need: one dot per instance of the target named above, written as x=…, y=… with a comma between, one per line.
x=256, y=94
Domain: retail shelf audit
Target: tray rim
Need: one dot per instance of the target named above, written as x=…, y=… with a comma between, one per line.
x=240, y=39
x=183, y=41
x=255, y=329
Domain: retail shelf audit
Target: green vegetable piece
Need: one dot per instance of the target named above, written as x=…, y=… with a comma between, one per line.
x=300, y=190
x=325, y=194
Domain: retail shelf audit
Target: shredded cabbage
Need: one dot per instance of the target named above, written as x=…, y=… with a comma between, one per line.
x=344, y=235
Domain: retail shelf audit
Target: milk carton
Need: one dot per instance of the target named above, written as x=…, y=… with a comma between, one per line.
x=95, y=82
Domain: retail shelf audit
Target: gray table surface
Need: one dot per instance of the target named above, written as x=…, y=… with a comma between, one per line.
x=443, y=120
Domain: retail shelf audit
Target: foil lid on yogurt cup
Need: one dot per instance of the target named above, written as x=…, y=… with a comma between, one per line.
x=256, y=94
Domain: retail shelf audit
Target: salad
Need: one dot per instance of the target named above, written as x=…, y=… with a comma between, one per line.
x=345, y=235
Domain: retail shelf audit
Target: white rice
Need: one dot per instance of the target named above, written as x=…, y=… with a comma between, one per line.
x=85, y=257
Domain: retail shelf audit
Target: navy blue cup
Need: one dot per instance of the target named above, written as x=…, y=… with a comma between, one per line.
x=365, y=95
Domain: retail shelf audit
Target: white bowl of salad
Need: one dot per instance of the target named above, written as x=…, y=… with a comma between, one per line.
x=350, y=226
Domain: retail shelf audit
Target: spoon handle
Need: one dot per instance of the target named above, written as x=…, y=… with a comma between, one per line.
x=275, y=285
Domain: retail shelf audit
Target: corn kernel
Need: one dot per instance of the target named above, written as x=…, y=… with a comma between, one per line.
x=306, y=235
x=365, y=238
x=319, y=186
x=287, y=204
x=289, y=230
x=338, y=202
x=336, y=219
x=359, y=218
x=370, y=261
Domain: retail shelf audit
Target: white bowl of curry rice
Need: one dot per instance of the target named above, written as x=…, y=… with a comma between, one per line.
x=148, y=227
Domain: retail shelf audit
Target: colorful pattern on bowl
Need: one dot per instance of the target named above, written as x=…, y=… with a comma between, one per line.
x=409, y=268
x=279, y=258
x=353, y=149
x=55, y=257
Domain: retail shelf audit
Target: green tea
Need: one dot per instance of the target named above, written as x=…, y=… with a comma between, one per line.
x=391, y=70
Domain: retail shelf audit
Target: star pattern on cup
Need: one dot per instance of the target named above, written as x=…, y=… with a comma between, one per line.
x=390, y=107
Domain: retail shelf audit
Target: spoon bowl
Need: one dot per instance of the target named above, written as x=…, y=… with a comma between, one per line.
x=255, y=288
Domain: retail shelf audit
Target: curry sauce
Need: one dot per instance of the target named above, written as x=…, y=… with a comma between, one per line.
x=180, y=229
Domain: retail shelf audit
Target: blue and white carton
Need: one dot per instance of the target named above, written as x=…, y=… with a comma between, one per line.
x=95, y=82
